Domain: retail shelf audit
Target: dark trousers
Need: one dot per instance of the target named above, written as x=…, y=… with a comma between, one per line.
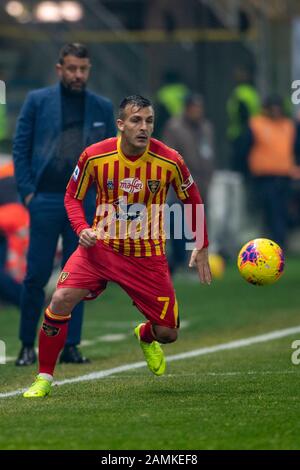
x=176, y=247
x=48, y=220
x=10, y=290
x=273, y=195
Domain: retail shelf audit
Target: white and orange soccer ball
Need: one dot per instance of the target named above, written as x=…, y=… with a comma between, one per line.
x=261, y=262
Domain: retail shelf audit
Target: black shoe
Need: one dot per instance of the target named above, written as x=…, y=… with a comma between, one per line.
x=72, y=355
x=26, y=357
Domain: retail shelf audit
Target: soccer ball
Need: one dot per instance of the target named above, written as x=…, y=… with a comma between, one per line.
x=261, y=262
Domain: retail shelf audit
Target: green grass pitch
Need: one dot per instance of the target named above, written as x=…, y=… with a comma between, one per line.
x=244, y=398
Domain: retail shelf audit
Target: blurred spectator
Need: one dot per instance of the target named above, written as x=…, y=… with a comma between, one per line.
x=294, y=214
x=191, y=134
x=14, y=224
x=243, y=103
x=169, y=100
x=269, y=145
x=55, y=125
x=228, y=223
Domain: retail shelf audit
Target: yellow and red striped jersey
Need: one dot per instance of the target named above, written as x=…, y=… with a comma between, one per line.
x=129, y=193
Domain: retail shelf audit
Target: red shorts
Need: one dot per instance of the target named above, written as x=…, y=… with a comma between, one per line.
x=145, y=279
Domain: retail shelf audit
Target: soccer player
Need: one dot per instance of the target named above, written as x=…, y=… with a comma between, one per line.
x=126, y=244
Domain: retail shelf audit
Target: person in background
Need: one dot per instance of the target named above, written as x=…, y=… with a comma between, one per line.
x=230, y=189
x=169, y=99
x=294, y=215
x=268, y=146
x=192, y=135
x=55, y=124
x=14, y=225
x=243, y=103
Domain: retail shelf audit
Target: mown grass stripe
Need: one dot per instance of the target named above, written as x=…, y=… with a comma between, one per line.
x=272, y=335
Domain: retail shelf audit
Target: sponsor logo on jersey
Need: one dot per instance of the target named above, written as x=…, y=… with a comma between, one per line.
x=110, y=185
x=153, y=185
x=76, y=173
x=63, y=276
x=131, y=185
x=187, y=183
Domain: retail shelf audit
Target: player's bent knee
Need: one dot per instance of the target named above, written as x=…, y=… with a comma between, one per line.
x=164, y=334
x=63, y=301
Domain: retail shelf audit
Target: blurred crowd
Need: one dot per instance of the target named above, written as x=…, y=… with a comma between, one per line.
x=258, y=194
x=14, y=233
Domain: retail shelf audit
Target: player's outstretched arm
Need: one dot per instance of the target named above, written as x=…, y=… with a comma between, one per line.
x=189, y=194
x=199, y=259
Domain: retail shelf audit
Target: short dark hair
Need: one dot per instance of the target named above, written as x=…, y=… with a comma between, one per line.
x=76, y=49
x=135, y=100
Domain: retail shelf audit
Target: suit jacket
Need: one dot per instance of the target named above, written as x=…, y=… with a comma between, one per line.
x=39, y=127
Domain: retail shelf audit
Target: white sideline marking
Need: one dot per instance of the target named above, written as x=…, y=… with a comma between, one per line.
x=103, y=339
x=215, y=374
x=240, y=343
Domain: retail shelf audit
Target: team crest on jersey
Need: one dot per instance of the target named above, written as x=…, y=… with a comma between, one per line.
x=110, y=185
x=153, y=185
x=63, y=276
x=76, y=173
x=187, y=183
x=131, y=185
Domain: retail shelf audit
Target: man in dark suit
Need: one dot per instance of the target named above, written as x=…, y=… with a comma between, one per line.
x=55, y=124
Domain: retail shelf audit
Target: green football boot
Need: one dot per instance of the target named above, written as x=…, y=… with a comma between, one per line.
x=39, y=389
x=153, y=354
